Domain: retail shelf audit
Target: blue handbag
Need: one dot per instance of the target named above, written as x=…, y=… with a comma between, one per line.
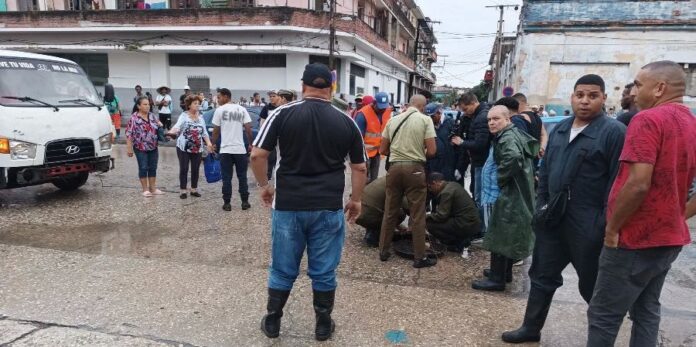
x=211, y=166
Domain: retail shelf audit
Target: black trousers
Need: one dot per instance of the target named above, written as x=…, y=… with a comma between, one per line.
x=186, y=159
x=555, y=249
x=240, y=162
x=166, y=119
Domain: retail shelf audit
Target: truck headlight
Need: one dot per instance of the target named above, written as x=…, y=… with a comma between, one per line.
x=105, y=142
x=22, y=150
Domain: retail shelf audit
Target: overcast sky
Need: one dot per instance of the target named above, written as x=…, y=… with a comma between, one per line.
x=466, y=35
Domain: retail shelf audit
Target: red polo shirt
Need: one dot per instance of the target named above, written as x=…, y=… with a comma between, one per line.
x=664, y=136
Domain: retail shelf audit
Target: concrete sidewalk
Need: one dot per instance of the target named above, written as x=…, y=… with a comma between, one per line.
x=50, y=298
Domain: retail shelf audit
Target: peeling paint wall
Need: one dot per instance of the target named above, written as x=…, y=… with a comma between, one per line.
x=562, y=40
x=575, y=12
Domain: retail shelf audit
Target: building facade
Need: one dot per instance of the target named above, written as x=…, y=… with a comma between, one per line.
x=559, y=41
x=246, y=46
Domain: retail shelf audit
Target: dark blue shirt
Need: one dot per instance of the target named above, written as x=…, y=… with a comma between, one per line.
x=596, y=150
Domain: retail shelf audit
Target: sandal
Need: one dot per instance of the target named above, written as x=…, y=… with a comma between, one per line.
x=147, y=194
x=157, y=192
x=196, y=194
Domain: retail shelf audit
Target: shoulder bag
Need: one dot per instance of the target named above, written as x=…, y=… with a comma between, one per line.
x=550, y=215
x=391, y=140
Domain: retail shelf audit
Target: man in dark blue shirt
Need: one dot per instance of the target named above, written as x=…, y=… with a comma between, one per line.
x=312, y=139
x=581, y=160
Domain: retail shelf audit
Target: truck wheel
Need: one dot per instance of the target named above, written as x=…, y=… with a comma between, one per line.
x=72, y=182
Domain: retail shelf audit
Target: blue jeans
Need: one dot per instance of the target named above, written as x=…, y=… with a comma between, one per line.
x=321, y=232
x=147, y=162
x=240, y=162
x=478, y=187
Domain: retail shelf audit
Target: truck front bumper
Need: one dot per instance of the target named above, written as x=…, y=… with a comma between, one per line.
x=13, y=177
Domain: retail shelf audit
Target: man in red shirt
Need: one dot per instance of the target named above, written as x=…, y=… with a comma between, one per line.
x=647, y=209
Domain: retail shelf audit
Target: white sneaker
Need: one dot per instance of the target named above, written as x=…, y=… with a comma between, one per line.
x=465, y=253
x=519, y=263
x=477, y=241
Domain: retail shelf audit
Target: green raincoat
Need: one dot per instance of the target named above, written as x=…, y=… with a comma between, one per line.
x=510, y=227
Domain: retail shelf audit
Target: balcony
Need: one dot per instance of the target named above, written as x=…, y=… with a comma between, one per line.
x=400, y=10
x=193, y=17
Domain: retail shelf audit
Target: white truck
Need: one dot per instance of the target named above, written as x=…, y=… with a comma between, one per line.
x=54, y=127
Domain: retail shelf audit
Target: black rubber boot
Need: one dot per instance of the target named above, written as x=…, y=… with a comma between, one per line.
x=323, y=306
x=496, y=280
x=270, y=324
x=538, y=306
x=245, y=202
x=508, y=271
x=371, y=238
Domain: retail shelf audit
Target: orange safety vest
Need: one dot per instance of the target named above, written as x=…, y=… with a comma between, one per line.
x=373, y=131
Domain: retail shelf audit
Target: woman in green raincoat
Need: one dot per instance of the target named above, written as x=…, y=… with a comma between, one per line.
x=509, y=235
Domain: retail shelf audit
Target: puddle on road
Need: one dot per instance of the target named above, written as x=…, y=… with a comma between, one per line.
x=107, y=239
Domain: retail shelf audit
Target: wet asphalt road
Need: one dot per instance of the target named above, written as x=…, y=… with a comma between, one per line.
x=128, y=270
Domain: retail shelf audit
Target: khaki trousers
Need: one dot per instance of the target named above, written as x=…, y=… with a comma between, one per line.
x=405, y=179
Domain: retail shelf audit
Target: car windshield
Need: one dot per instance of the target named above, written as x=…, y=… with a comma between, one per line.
x=51, y=82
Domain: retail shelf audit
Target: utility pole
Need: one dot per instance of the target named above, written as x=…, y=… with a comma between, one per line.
x=415, y=60
x=332, y=34
x=499, y=51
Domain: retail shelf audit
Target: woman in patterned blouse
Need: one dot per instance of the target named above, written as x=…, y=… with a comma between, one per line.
x=192, y=136
x=141, y=139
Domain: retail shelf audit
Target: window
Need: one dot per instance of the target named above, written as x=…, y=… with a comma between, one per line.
x=357, y=70
x=199, y=84
x=375, y=90
x=690, y=70
x=352, y=85
x=398, y=92
x=27, y=5
x=96, y=65
x=227, y=60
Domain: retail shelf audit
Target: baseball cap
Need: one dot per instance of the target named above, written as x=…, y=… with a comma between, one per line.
x=359, y=97
x=271, y=92
x=317, y=75
x=432, y=108
x=187, y=88
x=367, y=99
x=284, y=92
x=382, y=100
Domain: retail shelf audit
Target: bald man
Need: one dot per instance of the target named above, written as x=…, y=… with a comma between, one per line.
x=647, y=209
x=408, y=140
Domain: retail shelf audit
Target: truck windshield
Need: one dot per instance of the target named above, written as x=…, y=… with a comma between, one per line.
x=48, y=81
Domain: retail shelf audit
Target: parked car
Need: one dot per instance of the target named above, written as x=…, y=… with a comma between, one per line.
x=551, y=122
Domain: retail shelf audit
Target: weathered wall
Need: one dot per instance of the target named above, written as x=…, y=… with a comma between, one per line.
x=543, y=14
x=545, y=66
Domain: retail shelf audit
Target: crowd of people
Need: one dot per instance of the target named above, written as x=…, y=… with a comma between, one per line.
x=610, y=200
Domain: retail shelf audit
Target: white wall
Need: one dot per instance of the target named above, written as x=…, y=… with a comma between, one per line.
x=259, y=79
x=127, y=69
x=546, y=65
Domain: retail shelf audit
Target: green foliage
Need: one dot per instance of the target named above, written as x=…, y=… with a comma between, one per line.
x=482, y=90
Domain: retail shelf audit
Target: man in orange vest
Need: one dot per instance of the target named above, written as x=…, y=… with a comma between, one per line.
x=371, y=119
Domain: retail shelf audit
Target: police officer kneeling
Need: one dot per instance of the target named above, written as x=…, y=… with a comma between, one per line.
x=455, y=220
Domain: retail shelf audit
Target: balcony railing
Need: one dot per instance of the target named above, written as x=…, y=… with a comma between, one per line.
x=400, y=10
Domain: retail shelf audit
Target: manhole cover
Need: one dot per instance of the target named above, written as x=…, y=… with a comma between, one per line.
x=404, y=249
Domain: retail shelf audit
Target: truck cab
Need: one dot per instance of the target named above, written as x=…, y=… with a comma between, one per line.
x=54, y=127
